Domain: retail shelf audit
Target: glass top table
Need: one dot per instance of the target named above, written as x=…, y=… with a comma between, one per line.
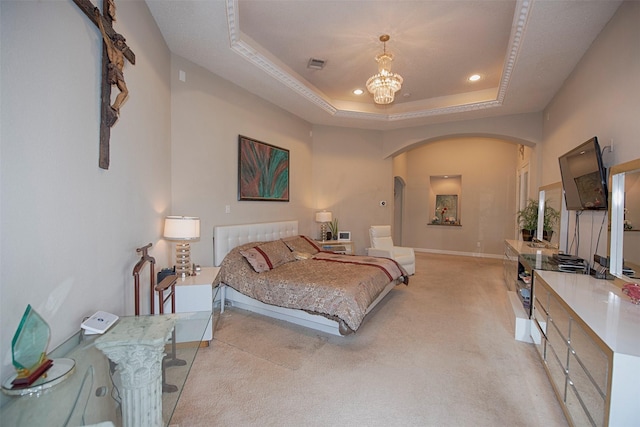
x=549, y=263
x=96, y=392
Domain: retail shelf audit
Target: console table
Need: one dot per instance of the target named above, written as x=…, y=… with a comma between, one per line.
x=125, y=390
x=512, y=267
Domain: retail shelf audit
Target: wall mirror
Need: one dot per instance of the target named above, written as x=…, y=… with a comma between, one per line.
x=445, y=192
x=552, y=230
x=624, y=233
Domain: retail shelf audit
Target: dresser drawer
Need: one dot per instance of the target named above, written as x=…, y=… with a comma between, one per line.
x=579, y=416
x=540, y=315
x=589, y=394
x=589, y=353
x=557, y=371
x=559, y=315
x=539, y=339
x=558, y=342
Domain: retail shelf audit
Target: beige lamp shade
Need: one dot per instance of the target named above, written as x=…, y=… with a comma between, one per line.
x=323, y=216
x=182, y=228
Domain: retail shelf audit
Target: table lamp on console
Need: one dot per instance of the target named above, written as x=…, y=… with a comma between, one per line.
x=182, y=229
x=323, y=218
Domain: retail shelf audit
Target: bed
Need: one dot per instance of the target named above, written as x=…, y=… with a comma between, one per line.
x=268, y=268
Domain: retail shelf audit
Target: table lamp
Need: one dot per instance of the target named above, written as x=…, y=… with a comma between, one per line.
x=182, y=229
x=323, y=218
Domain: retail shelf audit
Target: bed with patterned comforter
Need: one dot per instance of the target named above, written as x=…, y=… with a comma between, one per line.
x=294, y=273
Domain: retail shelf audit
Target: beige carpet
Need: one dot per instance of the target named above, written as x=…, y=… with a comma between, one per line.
x=439, y=352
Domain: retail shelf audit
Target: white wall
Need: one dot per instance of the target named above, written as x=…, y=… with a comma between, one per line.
x=69, y=229
x=350, y=178
x=338, y=169
x=518, y=130
x=486, y=204
x=207, y=115
x=600, y=98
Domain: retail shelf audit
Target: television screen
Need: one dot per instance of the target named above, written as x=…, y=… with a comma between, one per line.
x=584, y=177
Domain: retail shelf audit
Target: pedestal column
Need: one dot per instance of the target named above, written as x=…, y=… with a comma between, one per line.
x=136, y=345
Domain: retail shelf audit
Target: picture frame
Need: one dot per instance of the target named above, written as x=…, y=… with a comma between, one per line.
x=263, y=171
x=344, y=235
x=446, y=210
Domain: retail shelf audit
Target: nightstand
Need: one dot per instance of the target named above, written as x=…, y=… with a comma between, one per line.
x=338, y=246
x=195, y=293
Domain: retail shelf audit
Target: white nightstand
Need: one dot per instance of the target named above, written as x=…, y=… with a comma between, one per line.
x=339, y=246
x=195, y=293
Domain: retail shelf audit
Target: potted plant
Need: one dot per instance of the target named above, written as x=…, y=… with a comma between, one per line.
x=333, y=229
x=528, y=220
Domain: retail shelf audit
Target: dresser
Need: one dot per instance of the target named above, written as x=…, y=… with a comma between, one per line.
x=587, y=334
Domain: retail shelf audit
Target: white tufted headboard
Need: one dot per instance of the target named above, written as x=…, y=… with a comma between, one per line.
x=227, y=237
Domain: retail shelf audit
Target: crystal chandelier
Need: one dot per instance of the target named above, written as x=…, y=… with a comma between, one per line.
x=384, y=84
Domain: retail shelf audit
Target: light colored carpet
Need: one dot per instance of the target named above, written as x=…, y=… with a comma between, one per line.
x=439, y=352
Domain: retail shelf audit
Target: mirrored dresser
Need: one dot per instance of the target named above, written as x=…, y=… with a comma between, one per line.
x=587, y=333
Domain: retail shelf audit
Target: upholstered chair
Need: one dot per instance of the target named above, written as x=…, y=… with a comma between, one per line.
x=382, y=246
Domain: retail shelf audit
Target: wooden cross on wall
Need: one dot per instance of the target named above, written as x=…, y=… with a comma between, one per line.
x=114, y=51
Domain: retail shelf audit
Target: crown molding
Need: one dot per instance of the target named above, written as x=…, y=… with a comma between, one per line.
x=248, y=52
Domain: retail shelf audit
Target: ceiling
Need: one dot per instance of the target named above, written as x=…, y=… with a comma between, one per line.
x=523, y=51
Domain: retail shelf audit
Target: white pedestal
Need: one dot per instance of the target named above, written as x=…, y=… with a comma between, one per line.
x=520, y=320
x=136, y=345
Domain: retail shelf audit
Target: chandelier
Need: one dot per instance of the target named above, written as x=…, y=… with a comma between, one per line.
x=384, y=84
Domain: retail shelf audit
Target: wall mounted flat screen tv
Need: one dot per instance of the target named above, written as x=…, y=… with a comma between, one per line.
x=584, y=178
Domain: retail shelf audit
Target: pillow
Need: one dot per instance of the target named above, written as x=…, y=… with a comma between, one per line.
x=267, y=256
x=301, y=244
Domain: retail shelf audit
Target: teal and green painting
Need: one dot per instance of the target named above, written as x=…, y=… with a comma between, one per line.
x=263, y=171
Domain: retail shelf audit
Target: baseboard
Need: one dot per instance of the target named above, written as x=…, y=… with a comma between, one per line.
x=183, y=345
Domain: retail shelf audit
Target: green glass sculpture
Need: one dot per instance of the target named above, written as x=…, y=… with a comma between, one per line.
x=29, y=347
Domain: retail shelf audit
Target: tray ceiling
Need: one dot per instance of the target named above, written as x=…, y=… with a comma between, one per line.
x=523, y=51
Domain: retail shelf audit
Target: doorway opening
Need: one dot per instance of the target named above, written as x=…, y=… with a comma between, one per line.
x=398, y=206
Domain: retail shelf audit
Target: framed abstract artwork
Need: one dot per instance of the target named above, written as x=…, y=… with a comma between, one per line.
x=263, y=171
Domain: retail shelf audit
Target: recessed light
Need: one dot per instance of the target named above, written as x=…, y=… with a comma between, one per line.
x=474, y=78
x=358, y=92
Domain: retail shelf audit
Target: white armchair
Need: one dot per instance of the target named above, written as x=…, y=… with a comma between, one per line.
x=382, y=246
